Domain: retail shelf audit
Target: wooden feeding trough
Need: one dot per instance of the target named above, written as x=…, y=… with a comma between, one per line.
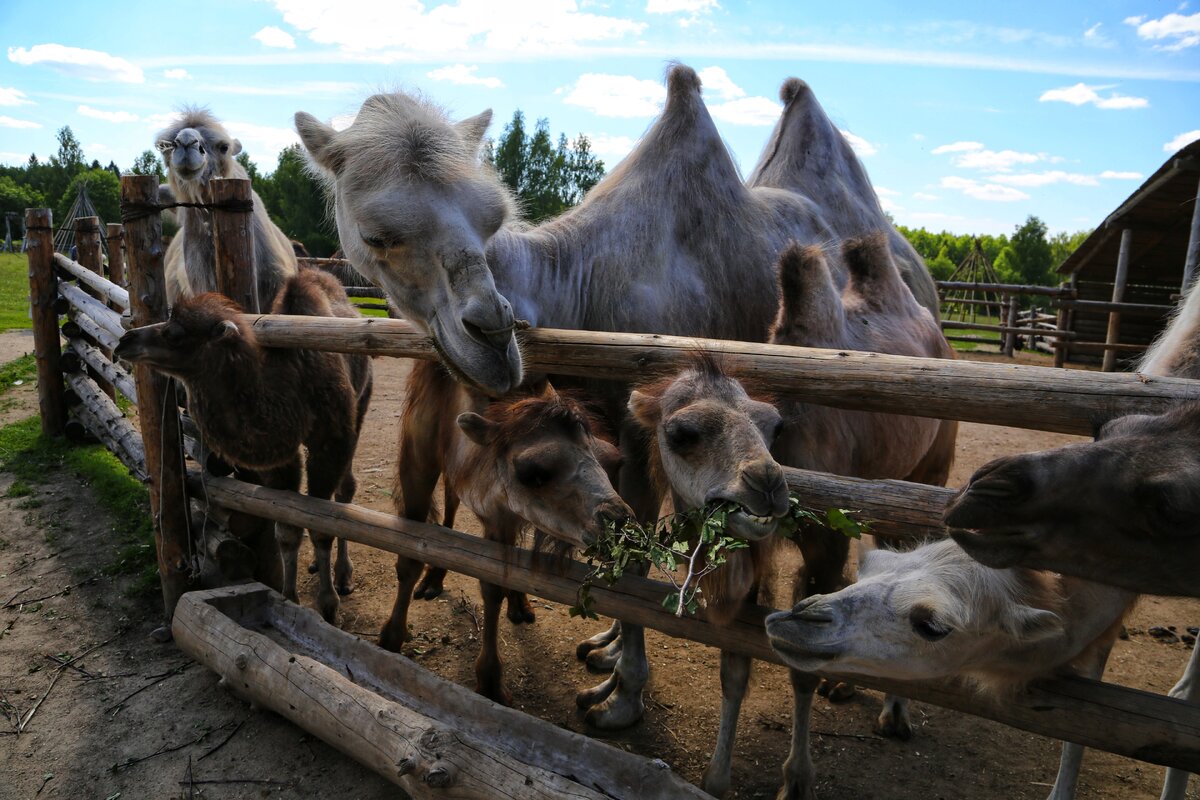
x=433, y=738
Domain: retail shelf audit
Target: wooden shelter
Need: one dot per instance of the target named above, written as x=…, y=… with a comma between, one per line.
x=1145, y=252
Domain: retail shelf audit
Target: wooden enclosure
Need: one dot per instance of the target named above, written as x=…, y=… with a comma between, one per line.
x=387, y=732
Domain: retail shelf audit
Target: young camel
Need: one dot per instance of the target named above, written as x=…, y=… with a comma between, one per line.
x=257, y=406
x=196, y=149
x=528, y=460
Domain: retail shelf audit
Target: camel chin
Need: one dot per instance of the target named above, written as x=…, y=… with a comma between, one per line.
x=493, y=371
x=999, y=549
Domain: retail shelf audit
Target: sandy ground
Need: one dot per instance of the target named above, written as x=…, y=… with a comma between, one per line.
x=133, y=699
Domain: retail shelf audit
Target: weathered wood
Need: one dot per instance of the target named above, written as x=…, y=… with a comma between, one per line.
x=158, y=401
x=1010, y=323
x=115, y=235
x=98, y=286
x=1014, y=330
x=426, y=744
x=1016, y=395
x=1128, y=722
x=233, y=244
x=105, y=421
x=1118, y=346
x=101, y=314
x=1114, y=317
x=1063, y=323
x=87, y=244
x=1003, y=288
x=81, y=324
x=1104, y=306
x=113, y=373
x=893, y=508
x=974, y=339
x=43, y=294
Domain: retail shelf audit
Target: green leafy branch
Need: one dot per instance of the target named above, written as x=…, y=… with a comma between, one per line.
x=698, y=538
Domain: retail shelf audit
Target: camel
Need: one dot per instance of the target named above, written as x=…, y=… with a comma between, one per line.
x=527, y=460
x=257, y=406
x=197, y=148
x=671, y=241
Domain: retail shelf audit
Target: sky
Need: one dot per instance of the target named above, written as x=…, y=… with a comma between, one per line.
x=969, y=117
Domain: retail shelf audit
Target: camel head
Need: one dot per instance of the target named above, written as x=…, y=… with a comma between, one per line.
x=203, y=333
x=540, y=454
x=711, y=442
x=928, y=613
x=415, y=209
x=197, y=148
x=1123, y=510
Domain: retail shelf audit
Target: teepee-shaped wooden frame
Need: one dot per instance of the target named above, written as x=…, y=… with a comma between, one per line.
x=64, y=237
x=961, y=304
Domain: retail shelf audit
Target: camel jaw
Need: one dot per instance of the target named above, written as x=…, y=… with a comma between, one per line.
x=998, y=548
x=800, y=638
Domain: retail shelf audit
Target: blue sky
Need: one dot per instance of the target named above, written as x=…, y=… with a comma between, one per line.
x=968, y=116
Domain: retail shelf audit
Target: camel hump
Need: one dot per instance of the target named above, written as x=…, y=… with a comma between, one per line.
x=682, y=81
x=873, y=274
x=791, y=89
x=309, y=292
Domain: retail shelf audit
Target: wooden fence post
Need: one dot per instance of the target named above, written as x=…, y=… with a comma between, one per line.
x=1010, y=321
x=1114, y=317
x=115, y=234
x=43, y=296
x=158, y=402
x=87, y=241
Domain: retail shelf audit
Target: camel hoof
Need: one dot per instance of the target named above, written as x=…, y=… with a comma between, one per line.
x=841, y=692
x=604, y=659
x=312, y=568
x=622, y=709
x=796, y=792
x=428, y=589
x=496, y=692
x=597, y=694
x=520, y=612
x=162, y=634
x=389, y=641
x=329, y=610
x=345, y=589
x=716, y=785
x=894, y=724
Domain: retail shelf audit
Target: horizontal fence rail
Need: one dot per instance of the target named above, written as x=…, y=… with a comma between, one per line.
x=998, y=394
x=104, y=287
x=1002, y=288
x=1128, y=722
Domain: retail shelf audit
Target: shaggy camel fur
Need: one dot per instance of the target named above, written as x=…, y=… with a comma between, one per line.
x=197, y=148
x=257, y=406
x=528, y=460
x=671, y=241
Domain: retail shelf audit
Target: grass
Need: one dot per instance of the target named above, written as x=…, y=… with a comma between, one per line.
x=15, y=373
x=30, y=457
x=14, y=292
x=369, y=312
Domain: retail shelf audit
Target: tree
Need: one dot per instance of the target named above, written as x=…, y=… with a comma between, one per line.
x=297, y=204
x=17, y=197
x=104, y=190
x=1032, y=252
x=70, y=153
x=251, y=168
x=547, y=177
x=1063, y=244
x=148, y=163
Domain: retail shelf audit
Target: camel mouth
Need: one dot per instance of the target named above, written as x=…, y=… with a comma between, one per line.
x=751, y=526
x=479, y=366
x=998, y=548
x=789, y=633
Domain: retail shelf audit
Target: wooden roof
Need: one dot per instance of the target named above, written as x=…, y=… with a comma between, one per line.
x=1160, y=214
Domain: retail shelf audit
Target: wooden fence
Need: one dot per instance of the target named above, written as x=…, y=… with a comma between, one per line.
x=1145, y=726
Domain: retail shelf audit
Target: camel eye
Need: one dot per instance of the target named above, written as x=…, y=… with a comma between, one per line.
x=173, y=332
x=223, y=147
x=532, y=474
x=682, y=435
x=925, y=626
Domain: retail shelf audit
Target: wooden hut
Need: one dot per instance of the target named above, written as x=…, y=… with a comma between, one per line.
x=1143, y=253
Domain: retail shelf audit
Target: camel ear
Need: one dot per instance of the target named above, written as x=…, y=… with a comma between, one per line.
x=873, y=274
x=807, y=294
x=164, y=145
x=225, y=329
x=318, y=140
x=473, y=128
x=1035, y=624
x=235, y=147
x=609, y=457
x=478, y=429
x=645, y=408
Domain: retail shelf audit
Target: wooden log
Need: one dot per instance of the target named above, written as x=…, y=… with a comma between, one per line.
x=1128, y=722
x=101, y=314
x=1010, y=322
x=1104, y=306
x=1003, y=288
x=892, y=508
x=115, y=235
x=106, y=422
x=43, y=294
x=233, y=244
x=113, y=373
x=1103, y=346
x=158, y=401
x=970, y=301
x=87, y=243
x=431, y=737
x=1014, y=395
x=1114, y=317
x=1018, y=329
x=974, y=339
x=98, y=286
x=81, y=324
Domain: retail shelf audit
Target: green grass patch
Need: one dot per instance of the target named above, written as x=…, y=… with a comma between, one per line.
x=14, y=292
x=30, y=456
x=370, y=312
x=22, y=370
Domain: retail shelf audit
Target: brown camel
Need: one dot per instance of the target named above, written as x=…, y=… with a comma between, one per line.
x=671, y=241
x=528, y=460
x=257, y=406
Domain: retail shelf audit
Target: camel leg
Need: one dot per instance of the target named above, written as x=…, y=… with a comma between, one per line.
x=1066, y=783
x=735, y=677
x=343, y=571
x=287, y=537
x=604, y=659
x=894, y=719
x=327, y=598
x=395, y=630
x=433, y=581
x=489, y=672
x=1188, y=688
x=600, y=640
x=799, y=778
x=520, y=610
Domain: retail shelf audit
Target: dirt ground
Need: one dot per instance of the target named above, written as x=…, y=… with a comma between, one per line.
x=135, y=719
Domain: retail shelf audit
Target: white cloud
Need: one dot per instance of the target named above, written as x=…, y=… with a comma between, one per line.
x=860, y=145
x=463, y=75
x=1081, y=93
x=1178, y=31
x=160, y=120
x=715, y=80
x=747, y=111
x=343, y=121
x=9, y=122
x=883, y=191
x=889, y=205
x=271, y=36
x=107, y=116
x=302, y=89
x=918, y=137
x=466, y=25
x=13, y=159
x=610, y=148
x=681, y=6
x=983, y=191
x=1181, y=141
x=262, y=142
x=924, y=196
x=616, y=95
x=90, y=65
x=957, y=147
x=177, y=74
x=995, y=160
x=13, y=97
x=1114, y=175
x=1034, y=179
